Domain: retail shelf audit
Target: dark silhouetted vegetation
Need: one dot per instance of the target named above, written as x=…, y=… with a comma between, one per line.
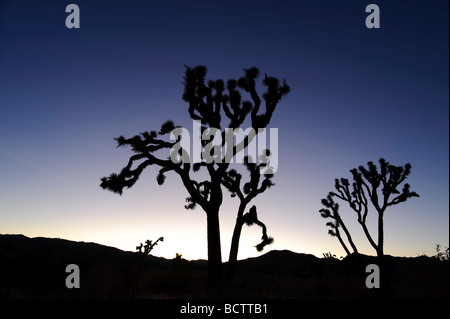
x=35, y=268
x=369, y=186
x=143, y=251
x=206, y=101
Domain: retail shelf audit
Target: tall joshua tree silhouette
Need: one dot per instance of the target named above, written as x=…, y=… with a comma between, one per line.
x=370, y=185
x=206, y=100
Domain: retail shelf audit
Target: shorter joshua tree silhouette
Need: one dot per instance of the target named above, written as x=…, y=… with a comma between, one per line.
x=379, y=187
x=369, y=186
x=143, y=251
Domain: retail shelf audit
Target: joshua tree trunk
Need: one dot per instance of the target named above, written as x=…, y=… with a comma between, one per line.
x=380, y=250
x=384, y=276
x=231, y=268
x=215, y=271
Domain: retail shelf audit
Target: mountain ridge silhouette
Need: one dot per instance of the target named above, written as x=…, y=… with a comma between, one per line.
x=35, y=268
x=59, y=243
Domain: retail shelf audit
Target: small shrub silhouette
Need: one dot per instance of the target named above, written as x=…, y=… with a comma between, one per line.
x=143, y=251
x=442, y=255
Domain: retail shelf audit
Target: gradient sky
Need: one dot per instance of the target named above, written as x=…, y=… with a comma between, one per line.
x=357, y=94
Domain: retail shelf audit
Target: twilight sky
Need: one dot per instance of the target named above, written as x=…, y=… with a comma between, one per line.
x=357, y=94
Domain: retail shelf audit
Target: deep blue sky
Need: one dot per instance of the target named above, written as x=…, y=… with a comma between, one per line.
x=357, y=94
